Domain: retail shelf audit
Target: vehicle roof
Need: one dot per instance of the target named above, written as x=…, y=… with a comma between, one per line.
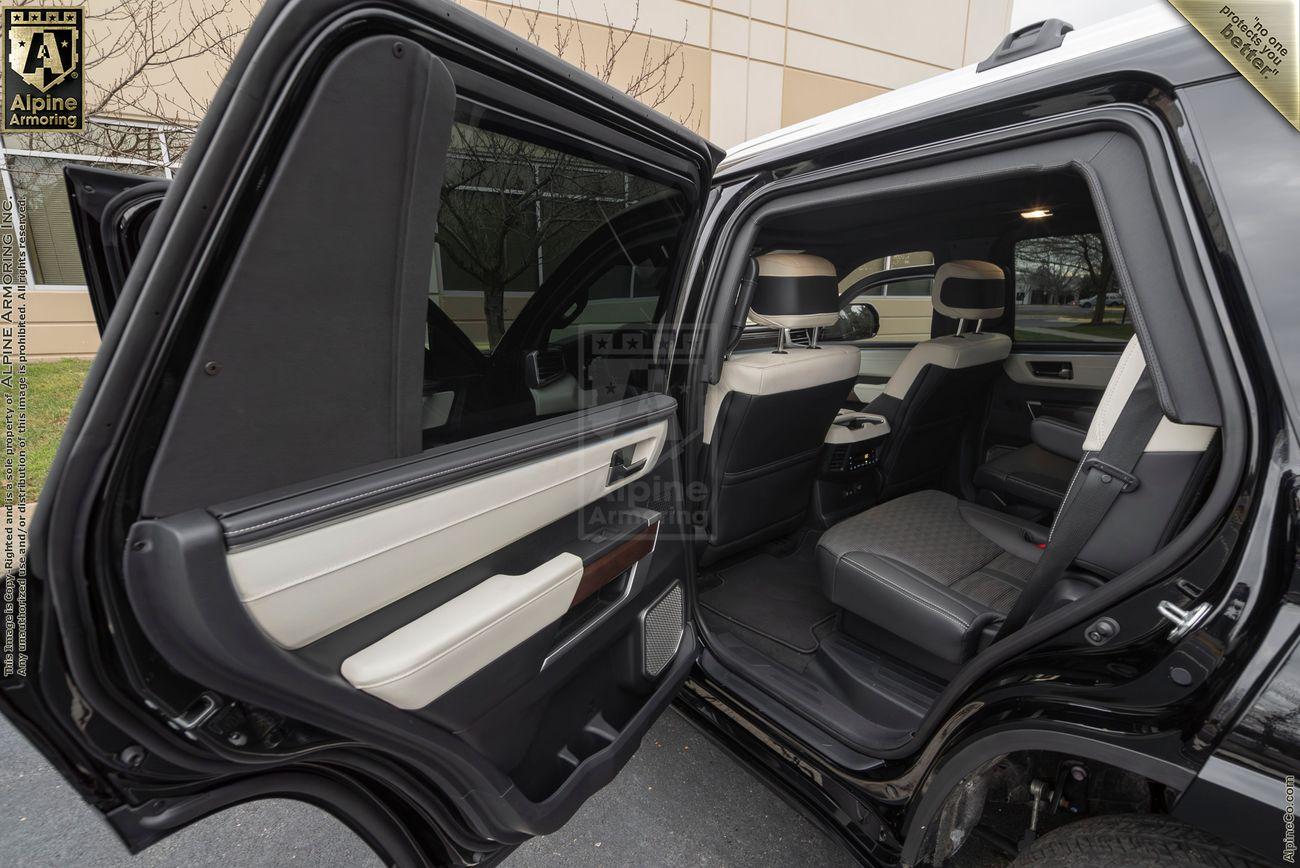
x=966, y=86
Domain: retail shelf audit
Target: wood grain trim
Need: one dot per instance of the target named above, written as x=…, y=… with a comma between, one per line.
x=613, y=564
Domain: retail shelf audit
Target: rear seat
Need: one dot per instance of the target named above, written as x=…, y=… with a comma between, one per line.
x=1038, y=473
x=938, y=576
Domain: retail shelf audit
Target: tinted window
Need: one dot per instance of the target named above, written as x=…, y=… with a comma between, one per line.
x=903, y=305
x=915, y=287
x=1066, y=292
x=546, y=264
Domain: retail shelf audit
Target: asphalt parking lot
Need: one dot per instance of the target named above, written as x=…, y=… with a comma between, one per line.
x=680, y=801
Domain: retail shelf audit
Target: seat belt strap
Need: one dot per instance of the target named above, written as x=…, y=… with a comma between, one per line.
x=1101, y=479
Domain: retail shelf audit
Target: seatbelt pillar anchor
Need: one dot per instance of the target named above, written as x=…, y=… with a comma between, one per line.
x=1110, y=473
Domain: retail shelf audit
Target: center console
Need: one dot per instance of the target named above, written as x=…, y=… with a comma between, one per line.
x=847, y=479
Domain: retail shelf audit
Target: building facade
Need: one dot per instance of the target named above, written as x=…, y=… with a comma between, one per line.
x=732, y=69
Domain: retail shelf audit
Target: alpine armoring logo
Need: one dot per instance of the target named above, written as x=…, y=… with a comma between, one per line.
x=43, y=85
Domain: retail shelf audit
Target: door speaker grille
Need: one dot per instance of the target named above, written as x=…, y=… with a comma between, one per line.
x=661, y=631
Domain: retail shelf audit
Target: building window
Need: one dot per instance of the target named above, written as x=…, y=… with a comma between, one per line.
x=32, y=169
x=51, y=242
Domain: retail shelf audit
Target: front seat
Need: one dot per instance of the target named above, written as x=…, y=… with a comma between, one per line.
x=930, y=577
x=766, y=417
x=941, y=383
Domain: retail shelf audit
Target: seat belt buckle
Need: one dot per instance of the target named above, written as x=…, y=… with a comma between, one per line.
x=1110, y=473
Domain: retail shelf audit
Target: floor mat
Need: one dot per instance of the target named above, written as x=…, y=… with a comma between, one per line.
x=777, y=597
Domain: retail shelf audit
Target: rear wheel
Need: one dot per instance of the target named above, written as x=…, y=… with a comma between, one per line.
x=1132, y=841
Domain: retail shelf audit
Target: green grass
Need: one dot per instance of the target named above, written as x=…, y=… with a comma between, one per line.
x=52, y=388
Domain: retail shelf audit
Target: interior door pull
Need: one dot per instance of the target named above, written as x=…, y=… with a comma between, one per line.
x=619, y=469
x=1052, y=370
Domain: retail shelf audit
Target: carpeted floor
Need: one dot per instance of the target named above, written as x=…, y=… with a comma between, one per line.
x=778, y=597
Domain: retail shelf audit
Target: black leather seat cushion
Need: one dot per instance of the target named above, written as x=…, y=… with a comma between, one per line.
x=1029, y=474
x=932, y=570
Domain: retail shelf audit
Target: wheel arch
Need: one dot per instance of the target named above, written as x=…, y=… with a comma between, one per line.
x=1135, y=754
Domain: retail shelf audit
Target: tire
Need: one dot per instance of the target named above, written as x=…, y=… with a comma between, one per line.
x=1132, y=841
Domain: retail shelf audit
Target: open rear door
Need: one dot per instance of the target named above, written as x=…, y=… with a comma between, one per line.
x=317, y=528
x=111, y=215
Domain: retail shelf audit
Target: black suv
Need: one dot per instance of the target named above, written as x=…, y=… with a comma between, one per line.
x=933, y=456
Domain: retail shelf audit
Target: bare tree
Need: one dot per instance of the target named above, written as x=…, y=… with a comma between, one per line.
x=505, y=201
x=648, y=68
x=1069, y=266
x=153, y=61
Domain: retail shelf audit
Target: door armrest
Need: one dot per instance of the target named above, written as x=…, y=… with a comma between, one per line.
x=1058, y=437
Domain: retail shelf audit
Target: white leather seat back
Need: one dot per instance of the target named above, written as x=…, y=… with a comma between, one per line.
x=763, y=373
x=940, y=382
x=964, y=289
x=766, y=417
x=953, y=352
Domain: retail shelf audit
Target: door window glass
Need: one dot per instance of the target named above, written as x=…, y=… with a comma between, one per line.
x=903, y=305
x=1066, y=292
x=547, y=264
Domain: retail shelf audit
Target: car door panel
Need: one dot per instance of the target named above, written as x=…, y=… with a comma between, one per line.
x=274, y=576
x=307, y=584
x=499, y=651
x=1061, y=384
x=1085, y=371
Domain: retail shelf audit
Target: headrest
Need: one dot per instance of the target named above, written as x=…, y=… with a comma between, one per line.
x=969, y=289
x=795, y=291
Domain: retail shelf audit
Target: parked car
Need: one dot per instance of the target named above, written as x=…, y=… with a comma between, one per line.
x=306, y=537
x=1113, y=299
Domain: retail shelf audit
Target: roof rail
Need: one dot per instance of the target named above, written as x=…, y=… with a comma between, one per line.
x=1027, y=41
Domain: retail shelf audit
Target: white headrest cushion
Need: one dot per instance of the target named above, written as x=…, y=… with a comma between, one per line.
x=794, y=265
x=795, y=291
x=969, y=289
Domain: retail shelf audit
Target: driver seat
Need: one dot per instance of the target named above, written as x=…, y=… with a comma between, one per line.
x=766, y=417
